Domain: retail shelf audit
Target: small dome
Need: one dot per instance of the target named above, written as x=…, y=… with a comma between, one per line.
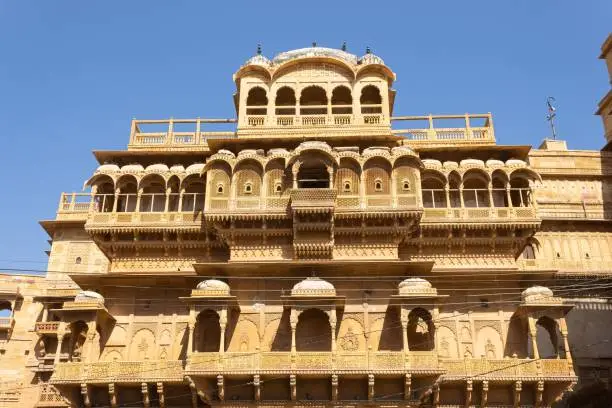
x=313, y=287
x=247, y=152
x=472, y=163
x=177, y=168
x=214, y=286
x=226, y=152
x=107, y=168
x=258, y=59
x=432, y=163
x=278, y=152
x=195, y=168
x=157, y=168
x=370, y=58
x=494, y=163
x=315, y=52
x=450, y=165
x=88, y=296
x=416, y=286
x=536, y=293
x=515, y=163
x=132, y=168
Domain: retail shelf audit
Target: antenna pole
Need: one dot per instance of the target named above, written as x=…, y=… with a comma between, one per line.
x=550, y=117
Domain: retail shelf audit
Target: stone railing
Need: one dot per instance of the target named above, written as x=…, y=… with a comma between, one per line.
x=46, y=327
x=7, y=323
x=50, y=397
x=82, y=304
x=177, y=133
x=305, y=121
x=313, y=197
x=375, y=361
x=574, y=210
x=510, y=368
x=118, y=371
x=166, y=219
x=489, y=214
x=578, y=267
x=430, y=134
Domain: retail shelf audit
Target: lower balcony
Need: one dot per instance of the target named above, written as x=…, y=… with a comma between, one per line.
x=50, y=328
x=509, y=369
x=118, y=372
x=313, y=362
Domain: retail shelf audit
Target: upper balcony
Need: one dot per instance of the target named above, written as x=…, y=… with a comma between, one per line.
x=445, y=130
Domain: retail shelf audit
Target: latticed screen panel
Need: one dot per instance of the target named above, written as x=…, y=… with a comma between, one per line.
x=378, y=179
x=220, y=182
x=248, y=181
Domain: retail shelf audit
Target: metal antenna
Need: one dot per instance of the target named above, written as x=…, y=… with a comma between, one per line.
x=552, y=113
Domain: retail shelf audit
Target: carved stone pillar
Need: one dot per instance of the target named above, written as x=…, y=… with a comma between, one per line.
x=436, y=395
x=190, y=328
x=161, y=398
x=256, y=388
x=469, y=388
x=406, y=347
x=461, y=196
x=370, y=387
x=85, y=395
x=334, y=384
x=138, y=196
x=447, y=195
x=167, y=204
x=539, y=394
x=293, y=319
x=508, y=196
x=564, y=334
x=408, y=387
x=112, y=395
x=180, y=200
x=58, y=349
x=293, y=387
x=533, y=334
x=485, y=394
x=146, y=400
x=116, y=200
x=223, y=324
x=220, y=388
x=518, y=387
x=332, y=323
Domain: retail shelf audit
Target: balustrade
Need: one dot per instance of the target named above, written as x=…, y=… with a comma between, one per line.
x=469, y=134
x=118, y=371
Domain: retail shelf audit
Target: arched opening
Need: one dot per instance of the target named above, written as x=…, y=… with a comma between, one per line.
x=547, y=337
x=454, y=193
x=500, y=198
x=421, y=330
x=193, y=193
x=127, y=197
x=257, y=101
x=313, y=174
x=313, y=101
x=432, y=189
x=342, y=100
x=76, y=340
x=6, y=309
x=475, y=191
x=370, y=100
x=517, y=338
x=207, y=332
x=105, y=193
x=153, y=195
x=313, y=331
x=285, y=101
x=520, y=193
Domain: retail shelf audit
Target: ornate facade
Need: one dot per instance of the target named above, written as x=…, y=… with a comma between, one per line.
x=321, y=252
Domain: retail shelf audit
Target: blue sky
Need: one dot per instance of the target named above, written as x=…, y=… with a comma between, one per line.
x=73, y=74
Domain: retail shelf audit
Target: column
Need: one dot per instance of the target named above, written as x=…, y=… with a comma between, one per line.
x=116, y=201
x=370, y=387
x=167, y=205
x=220, y=387
x=563, y=329
x=146, y=401
x=92, y=201
x=518, y=387
x=404, y=321
x=408, y=387
x=447, y=194
x=191, y=326
x=508, y=196
x=58, y=349
x=45, y=312
x=485, y=394
x=334, y=384
x=138, y=194
x=533, y=335
x=112, y=395
x=461, y=196
x=362, y=190
x=293, y=319
x=393, y=188
x=332, y=323
x=491, y=203
x=223, y=325
x=469, y=387
x=180, y=202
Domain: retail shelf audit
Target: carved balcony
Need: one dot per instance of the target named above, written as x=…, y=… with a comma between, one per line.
x=483, y=214
x=509, y=369
x=313, y=199
x=47, y=328
x=118, y=372
x=381, y=362
x=7, y=323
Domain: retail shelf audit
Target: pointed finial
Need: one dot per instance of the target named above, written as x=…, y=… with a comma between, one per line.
x=368, y=50
x=343, y=45
x=259, y=49
x=314, y=43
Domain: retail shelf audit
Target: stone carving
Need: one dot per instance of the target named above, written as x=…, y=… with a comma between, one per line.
x=349, y=342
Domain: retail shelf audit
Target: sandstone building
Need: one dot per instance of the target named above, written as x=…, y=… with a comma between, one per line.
x=322, y=251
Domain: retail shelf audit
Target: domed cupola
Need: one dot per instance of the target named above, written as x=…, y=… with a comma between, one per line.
x=313, y=287
x=213, y=287
x=416, y=287
x=88, y=296
x=370, y=58
x=258, y=58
